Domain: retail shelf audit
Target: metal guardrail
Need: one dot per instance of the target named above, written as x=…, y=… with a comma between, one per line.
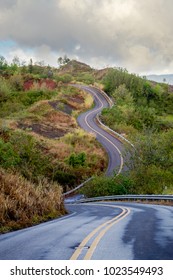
x=106, y=127
x=112, y=131
x=117, y=197
x=77, y=188
x=128, y=197
x=109, y=100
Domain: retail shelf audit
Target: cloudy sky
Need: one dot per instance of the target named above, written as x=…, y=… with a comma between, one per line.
x=134, y=34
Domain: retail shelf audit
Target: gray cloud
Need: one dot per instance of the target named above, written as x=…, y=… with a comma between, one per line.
x=128, y=33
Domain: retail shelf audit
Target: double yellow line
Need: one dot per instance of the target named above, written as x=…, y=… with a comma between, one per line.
x=99, y=232
x=97, y=132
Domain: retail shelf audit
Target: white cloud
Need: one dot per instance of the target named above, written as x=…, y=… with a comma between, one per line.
x=127, y=33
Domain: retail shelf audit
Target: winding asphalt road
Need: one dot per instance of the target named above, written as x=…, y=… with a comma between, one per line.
x=97, y=231
x=113, y=146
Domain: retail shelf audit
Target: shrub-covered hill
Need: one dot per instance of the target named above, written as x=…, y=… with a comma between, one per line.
x=41, y=146
x=143, y=113
x=44, y=152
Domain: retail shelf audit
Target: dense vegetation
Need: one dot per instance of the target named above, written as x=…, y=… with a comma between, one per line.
x=143, y=112
x=43, y=152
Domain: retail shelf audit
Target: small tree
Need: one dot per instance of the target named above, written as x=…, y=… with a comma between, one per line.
x=66, y=59
x=5, y=89
x=30, y=66
x=77, y=160
x=63, y=60
x=60, y=60
x=3, y=63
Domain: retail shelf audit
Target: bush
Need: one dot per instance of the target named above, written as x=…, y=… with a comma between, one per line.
x=35, y=95
x=85, y=78
x=5, y=90
x=16, y=82
x=7, y=108
x=22, y=152
x=103, y=186
x=77, y=160
x=65, y=179
x=33, y=162
x=151, y=180
x=8, y=156
x=66, y=78
x=151, y=162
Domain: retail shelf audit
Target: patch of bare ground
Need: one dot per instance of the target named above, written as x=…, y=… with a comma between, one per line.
x=48, y=83
x=50, y=123
x=57, y=105
x=43, y=129
x=53, y=125
x=68, y=105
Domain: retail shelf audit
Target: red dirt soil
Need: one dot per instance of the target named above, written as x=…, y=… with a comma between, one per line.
x=47, y=82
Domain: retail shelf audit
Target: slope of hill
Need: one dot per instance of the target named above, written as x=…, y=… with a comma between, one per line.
x=74, y=67
x=42, y=147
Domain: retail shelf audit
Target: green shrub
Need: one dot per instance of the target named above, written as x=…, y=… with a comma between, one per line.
x=77, y=159
x=10, y=107
x=85, y=78
x=16, y=82
x=31, y=96
x=8, y=156
x=65, y=179
x=33, y=162
x=103, y=186
x=5, y=89
x=66, y=78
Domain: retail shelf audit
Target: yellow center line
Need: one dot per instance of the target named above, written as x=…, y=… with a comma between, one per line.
x=107, y=224
x=101, y=234
x=86, y=117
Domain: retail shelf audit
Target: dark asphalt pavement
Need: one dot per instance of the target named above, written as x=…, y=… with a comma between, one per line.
x=145, y=232
x=113, y=146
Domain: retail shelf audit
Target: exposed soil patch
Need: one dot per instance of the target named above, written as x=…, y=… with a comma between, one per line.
x=77, y=99
x=61, y=107
x=49, y=84
x=53, y=124
x=43, y=129
x=72, y=103
x=56, y=118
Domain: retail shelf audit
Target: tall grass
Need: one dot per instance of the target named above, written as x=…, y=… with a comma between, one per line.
x=23, y=204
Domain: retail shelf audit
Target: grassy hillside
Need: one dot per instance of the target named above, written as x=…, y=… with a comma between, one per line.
x=42, y=149
x=44, y=153
x=143, y=113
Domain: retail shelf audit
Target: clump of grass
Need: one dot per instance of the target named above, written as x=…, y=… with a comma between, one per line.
x=23, y=204
x=88, y=101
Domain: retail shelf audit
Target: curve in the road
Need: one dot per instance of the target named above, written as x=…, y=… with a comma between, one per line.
x=112, y=145
x=100, y=231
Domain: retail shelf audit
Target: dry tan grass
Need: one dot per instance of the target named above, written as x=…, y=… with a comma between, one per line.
x=23, y=203
x=60, y=119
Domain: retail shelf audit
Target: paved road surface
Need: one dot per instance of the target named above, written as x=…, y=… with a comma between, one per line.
x=113, y=146
x=109, y=230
